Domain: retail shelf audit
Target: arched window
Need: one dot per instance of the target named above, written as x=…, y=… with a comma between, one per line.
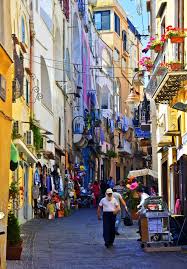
x=117, y=96
x=23, y=31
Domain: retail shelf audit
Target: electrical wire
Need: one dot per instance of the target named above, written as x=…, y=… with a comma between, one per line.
x=98, y=76
x=80, y=64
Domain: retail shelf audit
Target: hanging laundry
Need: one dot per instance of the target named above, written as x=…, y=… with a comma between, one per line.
x=37, y=180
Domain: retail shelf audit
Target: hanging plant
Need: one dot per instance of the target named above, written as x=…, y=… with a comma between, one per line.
x=175, y=35
x=13, y=190
x=37, y=135
x=156, y=44
x=147, y=63
x=175, y=65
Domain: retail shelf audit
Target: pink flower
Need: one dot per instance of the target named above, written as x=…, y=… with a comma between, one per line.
x=133, y=186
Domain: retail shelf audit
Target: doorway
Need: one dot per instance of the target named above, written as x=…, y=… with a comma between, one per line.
x=165, y=181
x=26, y=179
x=117, y=174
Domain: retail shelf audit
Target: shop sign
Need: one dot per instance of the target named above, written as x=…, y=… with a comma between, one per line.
x=2, y=88
x=139, y=133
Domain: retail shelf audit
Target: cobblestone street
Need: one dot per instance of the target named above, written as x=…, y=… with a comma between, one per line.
x=76, y=243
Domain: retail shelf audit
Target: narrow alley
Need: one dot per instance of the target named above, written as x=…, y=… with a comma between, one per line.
x=76, y=242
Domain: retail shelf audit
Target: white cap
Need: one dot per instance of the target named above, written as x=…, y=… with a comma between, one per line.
x=108, y=191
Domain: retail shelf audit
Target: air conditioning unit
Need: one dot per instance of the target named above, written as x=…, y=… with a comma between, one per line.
x=29, y=138
x=171, y=122
x=17, y=129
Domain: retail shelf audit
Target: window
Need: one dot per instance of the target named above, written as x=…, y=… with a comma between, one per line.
x=27, y=94
x=116, y=55
x=124, y=37
x=117, y=24
x=104, y=100
x=22, y=30
x=102, y=20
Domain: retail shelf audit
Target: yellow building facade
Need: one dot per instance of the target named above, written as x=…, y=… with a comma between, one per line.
x=22, y=107
x=6, y=76
x=168, y=88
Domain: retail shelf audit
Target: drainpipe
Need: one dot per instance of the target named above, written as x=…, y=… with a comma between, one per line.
x=31, y=62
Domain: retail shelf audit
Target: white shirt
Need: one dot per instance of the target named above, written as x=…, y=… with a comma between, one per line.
x=144, y=196
x=117, y=196
x=108, y=206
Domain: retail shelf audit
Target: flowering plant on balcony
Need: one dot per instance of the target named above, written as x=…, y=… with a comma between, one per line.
x=156, y=44
x=175, y=65
x=162, y=68
x=176, y=35
x=146, y=62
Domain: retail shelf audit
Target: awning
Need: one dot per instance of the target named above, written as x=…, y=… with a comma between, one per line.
x=14, y=157
x=31, y=158
x=143, y=172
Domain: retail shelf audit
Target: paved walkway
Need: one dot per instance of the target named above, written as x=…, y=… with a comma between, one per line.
x=76, y=243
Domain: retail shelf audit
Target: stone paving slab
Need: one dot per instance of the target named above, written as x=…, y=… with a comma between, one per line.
x=76, y=243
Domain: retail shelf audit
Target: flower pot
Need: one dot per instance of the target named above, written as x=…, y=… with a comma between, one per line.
x=14, y=252
x=161, y=71
x=149, y=68
x=177, y=39
x=158, y=48
x=176, y=66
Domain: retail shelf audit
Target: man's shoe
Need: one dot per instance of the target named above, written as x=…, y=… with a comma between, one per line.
x=117, y=233
x=138, y=232
x=107, y=245
x=139, y=239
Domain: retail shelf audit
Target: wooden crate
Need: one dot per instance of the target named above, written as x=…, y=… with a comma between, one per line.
x=144, y=230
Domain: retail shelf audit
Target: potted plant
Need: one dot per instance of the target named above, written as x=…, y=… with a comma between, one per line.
x=163, y=67
x=14, y=241
x=131, y=197
x=175, y=35
x=156, y=44
x=175, y=65
x=147, y=63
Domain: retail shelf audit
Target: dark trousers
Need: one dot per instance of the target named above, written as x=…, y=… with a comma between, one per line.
x=109, y=220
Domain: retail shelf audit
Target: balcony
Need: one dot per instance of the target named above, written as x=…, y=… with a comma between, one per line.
x=164, y=84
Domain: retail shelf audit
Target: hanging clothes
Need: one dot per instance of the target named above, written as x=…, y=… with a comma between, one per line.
x=49, y=184
x=37, y=180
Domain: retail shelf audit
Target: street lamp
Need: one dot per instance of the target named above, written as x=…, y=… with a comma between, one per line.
x=133, y=98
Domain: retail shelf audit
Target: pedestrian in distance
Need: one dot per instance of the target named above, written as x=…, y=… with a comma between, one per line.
x=110, y=208
x=103, y=187
x=143, y=196
x=95, y=188
x=110, y=183
x=120, y=201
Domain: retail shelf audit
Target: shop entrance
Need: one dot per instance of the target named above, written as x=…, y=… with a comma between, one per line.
x=26, y=177
x=117, y=173
x=165, y=181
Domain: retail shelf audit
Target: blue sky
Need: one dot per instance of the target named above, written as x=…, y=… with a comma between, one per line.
x=132, y=7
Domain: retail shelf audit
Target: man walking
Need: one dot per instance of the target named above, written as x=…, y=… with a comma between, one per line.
x=110, y=208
